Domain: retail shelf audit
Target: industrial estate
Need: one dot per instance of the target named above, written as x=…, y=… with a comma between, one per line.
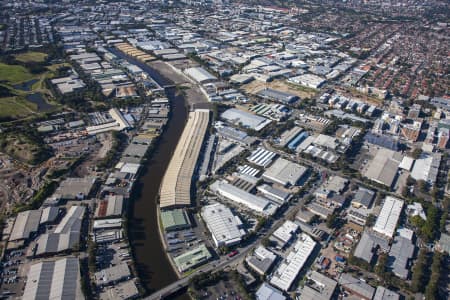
x=221, y=149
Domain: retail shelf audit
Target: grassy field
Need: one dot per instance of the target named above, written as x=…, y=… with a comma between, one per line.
x=14, y=73
x=16, y=107
x=31, y=56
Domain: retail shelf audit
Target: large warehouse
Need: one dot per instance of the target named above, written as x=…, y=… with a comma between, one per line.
x=287, y=272
x=176, y=184
x=384, y=166
x=245, y=119
x=26, y=223
x=58, y=279
x=223, y=225
x=285, y=172
x=66, y=234
x=200, y=75
x=235, y=194
x=388, y=217
x=261, y=157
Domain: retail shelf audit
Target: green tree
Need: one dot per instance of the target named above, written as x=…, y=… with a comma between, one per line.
x=432, y=289
x=381, y=265
x=416, y=153
x=418, y=272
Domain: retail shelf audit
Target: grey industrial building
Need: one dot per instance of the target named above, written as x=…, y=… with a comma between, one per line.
x=245, y=119
x=27, y=222
x=285, y=172
x=367, y=244
x=383, y=293
x=177, y=181
x=402, y=251
x=59, y=279
x=318, y=287
x=75, y=188
x=261, y=260
x=356, y=287
x=363, y=198
x=278, y=96
x=66, y=235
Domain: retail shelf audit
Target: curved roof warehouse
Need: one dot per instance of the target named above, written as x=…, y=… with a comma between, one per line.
x=176, y=185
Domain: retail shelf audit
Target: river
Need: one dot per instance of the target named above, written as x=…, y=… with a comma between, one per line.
x=152, y=264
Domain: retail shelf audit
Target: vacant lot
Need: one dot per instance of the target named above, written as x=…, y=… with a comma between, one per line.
x=255, y=86
x=31, y=56
x=23, y=147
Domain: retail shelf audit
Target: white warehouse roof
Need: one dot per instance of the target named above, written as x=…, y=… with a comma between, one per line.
x=240, y=196
x=286, y=273
x=222, y=224
x=388, y=217
x=261, y=157
x=58, y=279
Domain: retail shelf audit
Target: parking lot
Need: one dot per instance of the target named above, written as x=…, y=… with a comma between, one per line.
x=111, y=255
x=182, y=241
x=13, y=273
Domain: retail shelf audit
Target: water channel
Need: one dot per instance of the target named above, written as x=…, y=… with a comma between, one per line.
x=153, y=266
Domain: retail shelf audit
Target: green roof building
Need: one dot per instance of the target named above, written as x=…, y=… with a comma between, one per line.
x=193, y=258
x=175, y=219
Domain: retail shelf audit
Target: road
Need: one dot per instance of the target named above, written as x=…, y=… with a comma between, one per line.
x=322, y=168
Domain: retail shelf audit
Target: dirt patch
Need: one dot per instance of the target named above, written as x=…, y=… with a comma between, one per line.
x=168, y=72
x=255, y=86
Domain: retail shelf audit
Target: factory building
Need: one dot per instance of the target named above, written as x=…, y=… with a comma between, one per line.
x=285, y=172
x=388, y=217
x=175, y=219
x=288, y=271
x=200, y=75
x=75, y=188
x=261, y=157
x=112, y=275
x=318, y=287
x=192, y=258
x=225, y=227
x=401, y=253
x=253, y=202
x=278, y=96
x=356, y=287
x=27, y=223
x=245, y=119
x=285, y=233
x=384, y=166
x=59, y=279
x=267, y=292
x=177, y=181
x=261, y=260
x=66, y=234
x=112, y=206
x=383, y=293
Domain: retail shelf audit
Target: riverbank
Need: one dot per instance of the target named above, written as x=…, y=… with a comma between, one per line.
x=152, y=264
x=191, y=90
